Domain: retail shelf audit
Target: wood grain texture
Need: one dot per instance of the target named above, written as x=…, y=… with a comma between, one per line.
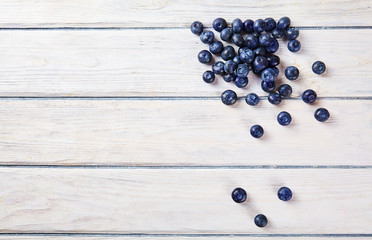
x=173, y=238
x=192, y=132
x=184, y=201
x=177, y=13
x=164, y=63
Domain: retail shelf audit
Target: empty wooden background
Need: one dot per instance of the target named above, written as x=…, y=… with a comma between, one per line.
x=108, y=131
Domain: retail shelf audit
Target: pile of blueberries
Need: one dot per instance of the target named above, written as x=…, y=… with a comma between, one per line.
x=257, y=42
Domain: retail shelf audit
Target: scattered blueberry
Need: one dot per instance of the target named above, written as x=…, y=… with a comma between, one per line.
x=247, y=55
x=276, y=70
x=294, y=45
x=273, y=46
x=274, y=98
x=268, y=75
x=218, y=68
x=321, y=114
x=309, y=96
x=252, y=99
x=260, y=63
x=237, y=59
x=226, y=34
x=196, y=27
x=272, y=60
x=228, y=53
x=229, y=77
x=268, y=86
x=204, y=56
x=284, y=118
x=284, y=194
x=216, y=47
x=256, y=131
x=270, y=24
x=283, y=23
x=208, y=76
x=248, y=26
x=318, y=67
x=242, y=70
x=237, y=25
x=259, y=26
x=230, y=66
x=264, y=39
x=260, y=51
x=241, y=82
x=285, y=90
x=238, y=40
x=219, y=24
x=292, y=33
x=277, y=33
x=291, y=73
x=229, y=97
x=239, y=195
x=251, y=41
x=260, y=220
x=207, y=37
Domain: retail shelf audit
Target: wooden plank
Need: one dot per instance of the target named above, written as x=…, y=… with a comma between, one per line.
x=167, y=238
x=184, y=201
x=196, y=132
x=164, y=63
x=177, y=13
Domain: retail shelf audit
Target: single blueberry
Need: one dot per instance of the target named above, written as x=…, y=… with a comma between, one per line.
x=285, y=90
x=230, y=67
x=241, y=82
x=321, y=114
x=256, y=71
x=260, y=220
x=264, y=39
x=268, y=86
x=259, y=26
x=247, y=55
x=226, y=34
x=273, y=46
x=242, y=70
x=260, y=51
x=208, y=76
x=268, y=75
x=252, y=99
x=229, y=77
x=283, y=23
x=294, y=45
x=229, y=97
x=309, y=96
x=276, y=70
x=284, y=194
x=251, y=41
x=270, y=24
x=228, y=53
x=273, y=60
x=239, y=195
x=260, y=63
x=277, y=33
x=291, y=73
x=216, y=47
x=238, y=40
x=207, y=37
x=196, y=27
x=318, y=67
x=292, y=33
x=284, y=118
x=218, y=68
x=248, y=26
x=256, y=131
x=274, y=98
x=219, y=24
x=237, y=59
x=237, y=25
x=204, y=56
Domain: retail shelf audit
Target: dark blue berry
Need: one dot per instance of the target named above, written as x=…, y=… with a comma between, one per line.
x=277, y=33
x=260, y=220
x=292, y=33
x=294, y=45
x=273, y=46
x=321, y=114
x=239, y=195
x=251, y=41
x=241, y=82
x=259, y=26
x=229, y=97
x=208, y=76
x=248, y=26
x=260, y=51
x=260, y=63
x=230, y=67
x=247, y=55
x=229, y=77
x=284, y=194
x=291, y=73
x=268, y=75
x=274, y=98
x=207, y=37
x=252, y=99
x=196, y=27
x=216, y=47
x=268, y=86
x=256, y=131
x=237, y=25
x=273, y=60
x=284, y=118
x=309, y=96
x=204, y=56
x=318, y=67
x=238, y=40
x=226, y=34
x=242, y=70
x=237, y=59
x=218, y=68
x=283, y=23
x=219, y=24
x=285, y=90
x=264, y=39
x=276, y=70
x=228, y=53
x=270, y=24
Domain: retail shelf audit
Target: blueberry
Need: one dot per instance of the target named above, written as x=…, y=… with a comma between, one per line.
x=284, y=194
x=252, y=99
x=196, y=27
x=237, y=59
x=294, y=45
x=274, y=98
x=272, y=60
x=216, y=47
x=247, y=55
x=238, y=40
x=292, y=33
x=208, y=76
x=268, y=86
x=270, y=24
x=256, y=71
x=229, y=77
x=273, y=46
x=242, y=70
x=229, y=97
x=218, y=68
x=268, y=75
x=259, y=26
x=291, y=73
x=309, y=96
x=277, y=33
x=260, y=220
x=260, y=63
x=318, y=67
x=283, y=23
x=219, y=24
x=285, y=90
x=239, y=195
x=264, y=39
x=241, y=82
x=207, y=37
x=321, y=114
x=230, y=67
x=204, y=56
x=237, y=25
x=248, y=26
x=226, y=34
x=251, y=41
x=276, y=70
x=260, y=51
x=228, y=53
x=256, y=131
x=284, y=118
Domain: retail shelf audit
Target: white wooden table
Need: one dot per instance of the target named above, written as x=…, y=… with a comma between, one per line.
x=108, y=132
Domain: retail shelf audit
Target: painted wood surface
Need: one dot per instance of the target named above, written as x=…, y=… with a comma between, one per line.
x=88, y=237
